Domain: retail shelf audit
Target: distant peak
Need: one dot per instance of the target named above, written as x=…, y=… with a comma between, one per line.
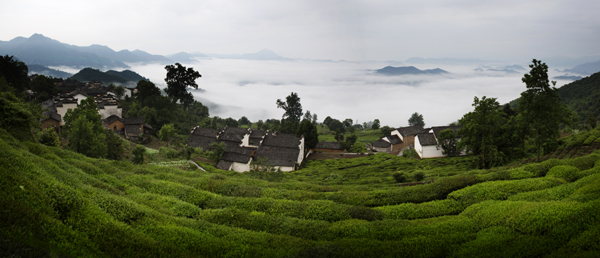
x=37, y=35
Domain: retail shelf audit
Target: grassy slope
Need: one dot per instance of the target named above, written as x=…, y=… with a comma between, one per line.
x=58, y=202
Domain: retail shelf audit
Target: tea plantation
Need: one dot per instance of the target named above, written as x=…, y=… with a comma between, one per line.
x=57, y=203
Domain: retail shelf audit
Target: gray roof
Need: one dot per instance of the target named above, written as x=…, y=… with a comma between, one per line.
x=132, y=130
x=52, y=115
x=278, y=156
x=328, y=145
x=427, y=139
x=224, y=165
x=133, y=120
x=200, y=131
x=281, y=140
x=111, y=119
x=201, y=141
x=381, y=143
x=438, y=129
x=411, y=130
x=394, y=139
x=236, y=157
x=256, y=136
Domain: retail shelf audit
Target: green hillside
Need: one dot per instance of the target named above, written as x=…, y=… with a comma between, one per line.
x=583, y=96
x=56, y=203
x=111, y=76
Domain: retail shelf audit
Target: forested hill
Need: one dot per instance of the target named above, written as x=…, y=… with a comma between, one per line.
x=90, y=74
x=583, y=95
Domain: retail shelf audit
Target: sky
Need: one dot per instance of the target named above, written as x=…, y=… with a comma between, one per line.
x=318, y=29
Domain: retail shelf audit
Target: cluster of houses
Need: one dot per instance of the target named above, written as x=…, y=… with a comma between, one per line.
x=108, y=105
x=423, y=140
x=243, y=145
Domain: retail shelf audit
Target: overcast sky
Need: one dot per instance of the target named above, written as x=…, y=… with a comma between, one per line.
x=319, y=29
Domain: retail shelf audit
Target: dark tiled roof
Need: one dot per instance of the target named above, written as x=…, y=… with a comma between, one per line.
x=236, y=130
x=438, y=129
x=148, y=126
x=49, y=104
x=394, y=139
x=201, y=141
x=278, y=156
x=231, y=137
x=200, y=131
x=256, y=136
x=427, y=139
x=224, y=165
x=111, y=119
x=281, y=140
x=328, y=145
x=133, y=120
x=381, y=143
x=52, y=115
x=132, y=130
x=411, y=130
x=236, y=157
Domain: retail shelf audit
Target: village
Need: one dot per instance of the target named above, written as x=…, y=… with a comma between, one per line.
x=243, y=146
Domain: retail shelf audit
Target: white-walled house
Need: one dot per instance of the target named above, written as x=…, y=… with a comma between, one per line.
x=426, y=143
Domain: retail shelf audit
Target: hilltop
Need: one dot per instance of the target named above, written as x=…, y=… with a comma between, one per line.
x=111, y=76
x=405, y=70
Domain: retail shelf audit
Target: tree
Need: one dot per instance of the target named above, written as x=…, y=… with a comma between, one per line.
x=43, y=87
x=591, y=120
x=314, y=119
x=244, y=121
x=309, y=130
x=293, y=112
x=178, y=79
x=386, y=130
x=119, y=92
x=217, y=150
x=114, y=145
x=480, y=131
x=49, y=137
x=138, y=154
x=86, y=134
x=146, y=89
x=541, y=106
x=348, y=122
x=167, y=132
x=416, y=119
x=327, y=120
x=336, y=125
x=15, y=72
x=448, y=143
x=307, y=116
x=376, y=124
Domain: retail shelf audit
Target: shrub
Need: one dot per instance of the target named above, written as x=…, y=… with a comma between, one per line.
x=568, y=173
x=419, y=176
x=364, y=213
x=400, y=177
x=49, y=137
x=168, y=153
x=138, y=154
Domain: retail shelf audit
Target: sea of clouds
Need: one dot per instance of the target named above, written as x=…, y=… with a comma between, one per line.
x=236, y=88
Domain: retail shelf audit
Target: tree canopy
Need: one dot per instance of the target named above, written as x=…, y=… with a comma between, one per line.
x=416, y=119
x=15, y=72
x=309, y=130
x=541, y=108
x=293, y=112
x=178, y=79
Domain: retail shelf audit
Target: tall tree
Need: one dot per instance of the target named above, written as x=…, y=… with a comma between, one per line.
x=416, y=119
x=146, y=89
x=178, y=79
x=86, y=134
x=376, y=124
x=541, y=107
x=293, y=112
x=15, y=72
x=480, y=131
x=44, y=87
x=309, y=130
x=448, y=143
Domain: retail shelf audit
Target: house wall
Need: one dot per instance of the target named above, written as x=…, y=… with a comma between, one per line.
x=120, y=125
x=301, y=154
x=109, y=111
x=397, y=146
x=62, y=111
x=395, y=132
x=79, y=98
x=241, y=167
x=284, y=169
x=246, y=140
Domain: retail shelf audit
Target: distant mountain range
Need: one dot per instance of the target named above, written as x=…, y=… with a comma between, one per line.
x=507, y=69
x=43, y=70
x=406, y=70
x=41, y=50
x=585, y=69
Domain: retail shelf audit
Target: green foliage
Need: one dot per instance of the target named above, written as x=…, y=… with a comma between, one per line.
x=568, y=173
x=14, y=72
x=376, y=124
x=416, y=119
x=43, y=87
x=167, y=132
x=138, y=154
x=386, y=130
x=16, y=116
x=216, y=151
x=419, y=176
x=293, y=112
x=309, y=130
x=66, y=204
x=49, y=137
x=448, y=142
x=541, y=107
x=178, y=79
x=399, y=177
x=86, y=134
x=115, y=146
